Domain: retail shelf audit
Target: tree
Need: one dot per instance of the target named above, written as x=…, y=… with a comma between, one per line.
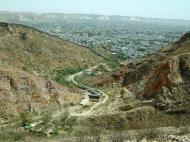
x=23, y=35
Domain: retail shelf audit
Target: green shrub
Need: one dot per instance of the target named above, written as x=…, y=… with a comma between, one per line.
x=26, y=118
x=68, y=71
x=113, y=64
x=17, y=136
x=67, y=122
x=8, y=135
x=60, y=75
x=46, y=118
x=23, y=35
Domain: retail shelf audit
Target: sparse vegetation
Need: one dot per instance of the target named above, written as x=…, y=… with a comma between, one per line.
x=46, y=118
x=7, y=135
x=30, y=59
x=61, y=74
x=26, y=118
x=113, y=64
x=149, y=134
x=118, y=136
x=67, y=122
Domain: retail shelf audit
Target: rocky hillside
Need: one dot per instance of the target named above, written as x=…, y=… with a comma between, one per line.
x=33, y=50
x=146, y=93
x=21, y=92
x=162, y=78
x=27, y=59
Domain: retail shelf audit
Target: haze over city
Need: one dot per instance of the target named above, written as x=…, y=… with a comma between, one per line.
x=170, y=9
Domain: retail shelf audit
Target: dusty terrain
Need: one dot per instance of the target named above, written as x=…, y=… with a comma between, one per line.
x=146, y=99
x=146, y=93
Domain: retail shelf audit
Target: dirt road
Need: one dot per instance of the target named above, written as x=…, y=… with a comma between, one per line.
x=104, y=97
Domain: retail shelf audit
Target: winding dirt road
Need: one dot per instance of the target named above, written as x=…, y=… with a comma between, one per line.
x=104, y=97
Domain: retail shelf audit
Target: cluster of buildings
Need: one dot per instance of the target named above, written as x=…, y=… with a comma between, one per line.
x=135, y=39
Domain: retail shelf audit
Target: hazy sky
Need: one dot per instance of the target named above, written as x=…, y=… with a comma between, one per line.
x=175, y=9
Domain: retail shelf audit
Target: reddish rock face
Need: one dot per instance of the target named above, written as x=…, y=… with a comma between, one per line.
x=118, y=76
x=162, y=76
x=103, y=82
x=167, y=83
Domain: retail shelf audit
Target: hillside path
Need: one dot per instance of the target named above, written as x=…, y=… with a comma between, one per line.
x=105, y=97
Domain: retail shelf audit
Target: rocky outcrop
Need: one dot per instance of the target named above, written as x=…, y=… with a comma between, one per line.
x=166, y=80
x=138, y=69
x=168, y=85
x=184, y=38
x=21, y=92
x=163, y=75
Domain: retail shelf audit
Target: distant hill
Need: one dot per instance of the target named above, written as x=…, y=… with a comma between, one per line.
x=133, y=36
x=55, y=17
x=30, y=49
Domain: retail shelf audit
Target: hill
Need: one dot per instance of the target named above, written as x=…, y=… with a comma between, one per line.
x=50, y=17
x=149, y=91
x=143, y=95
x=30, y=49
x=29, y=59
